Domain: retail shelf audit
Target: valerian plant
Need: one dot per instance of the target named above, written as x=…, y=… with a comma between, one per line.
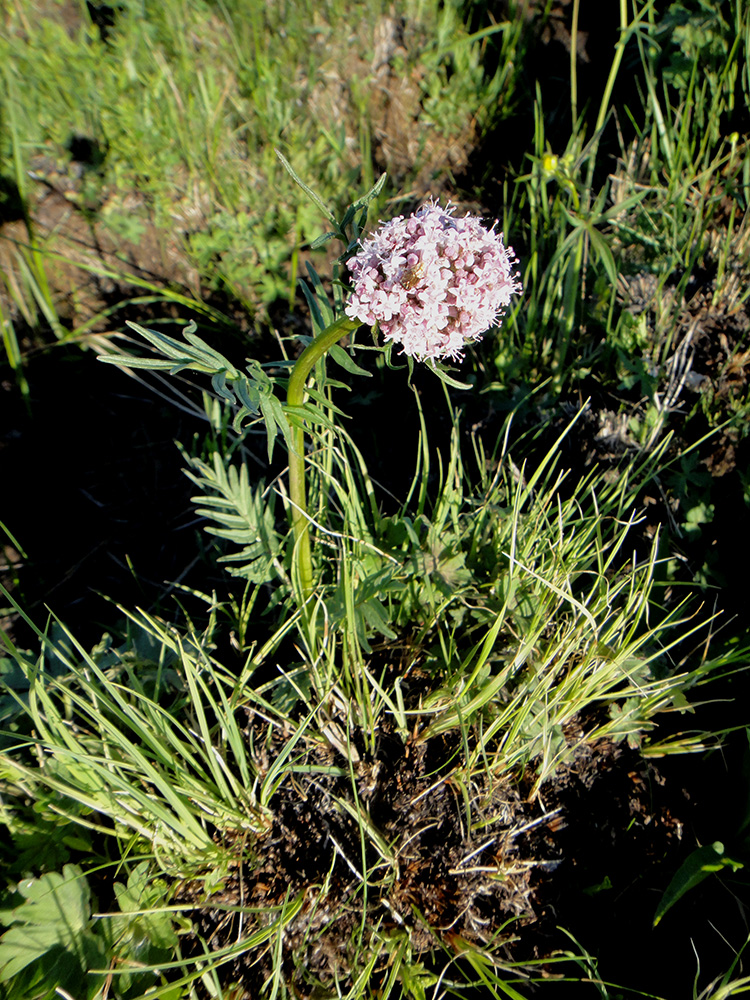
x=430, y=284
x=510, y=609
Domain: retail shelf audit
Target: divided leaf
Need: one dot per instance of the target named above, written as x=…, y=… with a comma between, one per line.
x=242, y=516
x=55, y=913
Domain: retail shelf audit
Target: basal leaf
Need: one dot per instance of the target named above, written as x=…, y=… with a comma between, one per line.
x=140, y=902
x=694, y=869
x=55, y=911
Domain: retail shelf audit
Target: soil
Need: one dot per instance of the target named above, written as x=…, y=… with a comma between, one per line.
x=591, y=854
x=448, y=872
x=99, y=504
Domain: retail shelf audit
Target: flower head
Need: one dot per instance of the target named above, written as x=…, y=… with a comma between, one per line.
x=432, y=283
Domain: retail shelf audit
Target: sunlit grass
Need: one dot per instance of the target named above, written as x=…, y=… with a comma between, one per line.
x=546, y=625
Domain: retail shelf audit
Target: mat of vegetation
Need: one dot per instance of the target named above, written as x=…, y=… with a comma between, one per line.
x=497, y=744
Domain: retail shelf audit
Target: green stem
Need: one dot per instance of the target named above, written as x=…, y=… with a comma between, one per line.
x=625, y=28
x=295, y=396
x=574, y=64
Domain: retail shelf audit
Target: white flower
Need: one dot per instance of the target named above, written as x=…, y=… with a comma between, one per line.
x=432, y=283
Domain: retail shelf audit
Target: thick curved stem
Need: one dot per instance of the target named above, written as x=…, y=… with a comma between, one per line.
x=295, y=396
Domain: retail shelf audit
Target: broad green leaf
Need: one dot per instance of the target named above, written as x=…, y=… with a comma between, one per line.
x=694, y=869
x=20, y=946
x=377, y=617
x=139, y=902
x=55, y=911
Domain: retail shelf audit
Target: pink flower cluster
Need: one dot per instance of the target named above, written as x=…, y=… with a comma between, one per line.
x=432, y=283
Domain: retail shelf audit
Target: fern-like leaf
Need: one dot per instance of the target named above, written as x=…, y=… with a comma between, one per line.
x=241, y=515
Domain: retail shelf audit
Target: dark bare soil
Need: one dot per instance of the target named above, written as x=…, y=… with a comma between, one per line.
x=94, y=494
x=468, y=865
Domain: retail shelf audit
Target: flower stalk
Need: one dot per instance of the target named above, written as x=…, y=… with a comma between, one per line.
x=431, y=284
x=295, y=397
